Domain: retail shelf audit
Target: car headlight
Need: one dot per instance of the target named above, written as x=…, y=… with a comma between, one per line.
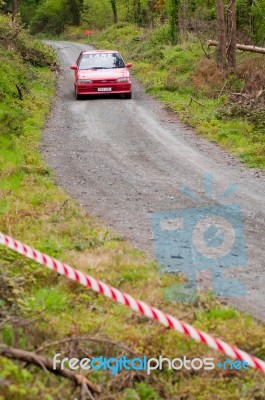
x=84, y=81
x=123, y=80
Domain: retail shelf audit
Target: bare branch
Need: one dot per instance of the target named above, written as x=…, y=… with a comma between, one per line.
x=47, y=364
x=86, y=392
x=195, y=101
x=201, y=42
x=20, y=94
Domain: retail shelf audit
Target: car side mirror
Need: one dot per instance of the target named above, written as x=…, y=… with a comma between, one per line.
x=74, y=67
x=129, y=65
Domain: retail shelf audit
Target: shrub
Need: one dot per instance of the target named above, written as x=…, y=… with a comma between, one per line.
x=31, y=50
x=161, y=35
x=252, y=72
x=174, y=83
x=35, y=52
x=207, y=78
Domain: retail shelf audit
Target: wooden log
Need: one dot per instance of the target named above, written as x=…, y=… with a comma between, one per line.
x=243, y=47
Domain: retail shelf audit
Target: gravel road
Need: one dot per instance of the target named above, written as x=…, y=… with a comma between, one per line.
x=126, y=159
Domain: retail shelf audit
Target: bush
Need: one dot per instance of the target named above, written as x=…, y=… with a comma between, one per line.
x=248, y=101
x=31, y=50
x=208, y=79
x=18, y=52
x=161, y=35
x=11, y=120
x=252, y=72
x=174, y=83
x=35, y=52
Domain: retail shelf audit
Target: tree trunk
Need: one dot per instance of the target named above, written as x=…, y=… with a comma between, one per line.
x=174, y=24
x=221, y=48
x=137, y=11
x=231, y=33
x=14, y=13
x=182, y=22
x=114, y=9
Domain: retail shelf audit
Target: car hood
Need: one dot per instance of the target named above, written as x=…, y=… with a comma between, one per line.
x=104, y=74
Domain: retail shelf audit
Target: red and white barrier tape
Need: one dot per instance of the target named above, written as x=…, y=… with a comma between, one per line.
x=127, y=300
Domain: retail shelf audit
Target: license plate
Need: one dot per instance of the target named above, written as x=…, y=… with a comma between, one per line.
x=104, y=89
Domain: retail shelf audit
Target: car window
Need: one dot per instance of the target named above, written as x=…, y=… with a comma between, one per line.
x=101, y=61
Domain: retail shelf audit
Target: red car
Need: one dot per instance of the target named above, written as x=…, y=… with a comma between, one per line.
x=101, y=72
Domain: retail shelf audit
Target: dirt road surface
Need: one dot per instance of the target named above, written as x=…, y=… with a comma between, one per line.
x=127, y=159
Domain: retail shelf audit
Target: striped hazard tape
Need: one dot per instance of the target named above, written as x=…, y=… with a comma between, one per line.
x=136, y=305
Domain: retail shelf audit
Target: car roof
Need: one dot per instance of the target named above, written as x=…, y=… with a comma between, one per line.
x=99, y=51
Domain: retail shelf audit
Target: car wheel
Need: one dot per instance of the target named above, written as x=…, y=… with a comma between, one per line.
x=128, y=95
x=77, y=96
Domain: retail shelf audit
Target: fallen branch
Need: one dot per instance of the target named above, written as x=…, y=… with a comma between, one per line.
x=243, y=47
x=47, y=364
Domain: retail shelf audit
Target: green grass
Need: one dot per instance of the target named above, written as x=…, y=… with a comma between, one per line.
x=175, y=74
x=43, y=307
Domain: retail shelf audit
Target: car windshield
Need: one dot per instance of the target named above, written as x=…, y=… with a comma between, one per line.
x=101, y=61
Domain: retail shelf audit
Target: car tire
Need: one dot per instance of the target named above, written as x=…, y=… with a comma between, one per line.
x=77, y=96
x=128, y=95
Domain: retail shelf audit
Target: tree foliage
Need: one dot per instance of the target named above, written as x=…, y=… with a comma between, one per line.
x=50, y=16
x=54, y=15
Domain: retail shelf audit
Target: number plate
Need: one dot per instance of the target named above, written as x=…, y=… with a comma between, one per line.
x=104, y=89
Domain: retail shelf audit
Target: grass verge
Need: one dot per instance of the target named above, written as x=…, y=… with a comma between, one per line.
x=37, y=307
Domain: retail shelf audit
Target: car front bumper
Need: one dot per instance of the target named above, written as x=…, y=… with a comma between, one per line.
x=111, y=88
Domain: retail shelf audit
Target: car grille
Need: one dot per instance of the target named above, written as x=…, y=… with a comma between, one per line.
x=105, y=82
